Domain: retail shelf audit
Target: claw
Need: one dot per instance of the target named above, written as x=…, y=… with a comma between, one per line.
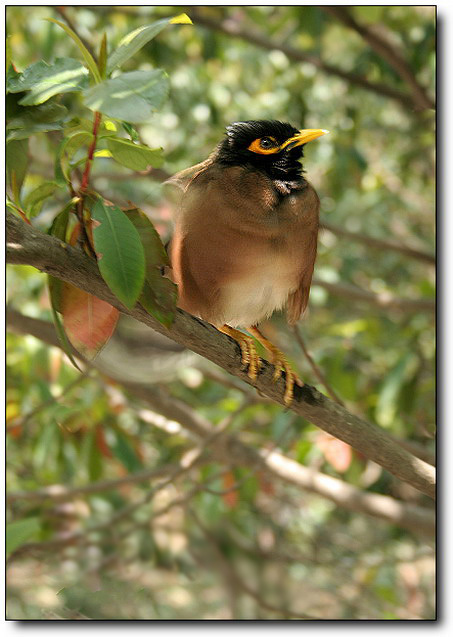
x=249, y=357
x=281, y=365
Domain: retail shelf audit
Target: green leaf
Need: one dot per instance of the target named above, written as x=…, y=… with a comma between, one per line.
x=42, y=81
x=91, y=64
x=20, y=532
x=156, y=255
x=36, y=119
x=124, y=451
x=11, y=74
x=91, y=458
x=131, y=131
x=17, y=163
x=67, y=148
x=60, y=223
x=34, y=200
x=132, y=97
x=55, y=286
x=159, y=294
x=134, y=41
x=386, y=407
x=8, y=53
x=159, y=298
x=134, y=156
x=103, y=57
x=121, y=258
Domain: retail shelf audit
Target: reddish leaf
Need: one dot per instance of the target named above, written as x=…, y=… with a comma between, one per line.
x=15, y=431
x=336, y=452
x=265, y=484
x=88, y=322
x=230, y=497
x=101, y=442
x=75, y=234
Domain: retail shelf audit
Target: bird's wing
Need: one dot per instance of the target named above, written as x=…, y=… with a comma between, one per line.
x=182, y=179
x=298, y=300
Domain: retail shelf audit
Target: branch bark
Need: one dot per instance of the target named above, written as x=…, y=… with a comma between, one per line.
x=26, y=245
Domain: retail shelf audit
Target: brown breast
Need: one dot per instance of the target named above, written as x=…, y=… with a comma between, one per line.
x=239, y=247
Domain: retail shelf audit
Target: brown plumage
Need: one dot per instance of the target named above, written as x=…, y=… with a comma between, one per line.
x=245, y=235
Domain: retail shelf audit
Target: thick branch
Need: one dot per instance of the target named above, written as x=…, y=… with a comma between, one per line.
x=227, y=449
x=26, y=245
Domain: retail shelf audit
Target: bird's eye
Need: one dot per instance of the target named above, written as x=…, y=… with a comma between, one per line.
x=264, y=146
x=266, y=143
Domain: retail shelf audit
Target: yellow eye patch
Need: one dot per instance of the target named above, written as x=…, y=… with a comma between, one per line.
x=264, y=146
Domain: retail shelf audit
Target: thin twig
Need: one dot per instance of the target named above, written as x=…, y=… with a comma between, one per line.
x=238, y=580
x=233, y=28
x=85, y=183
x=82, y=536
x=61, y=10
x=22, y=421
x=387, y=52
x=380, y=244
x=384, y=300
x=319, y=375
x=60, y=492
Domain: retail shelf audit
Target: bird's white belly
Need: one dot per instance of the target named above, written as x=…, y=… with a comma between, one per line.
x=257, y=295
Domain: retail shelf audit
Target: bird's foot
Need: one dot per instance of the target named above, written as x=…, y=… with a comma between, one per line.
x=281, y=365
x=249, y=357
x=291, y=378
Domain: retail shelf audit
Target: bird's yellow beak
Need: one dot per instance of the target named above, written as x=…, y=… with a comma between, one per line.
x=303, y=137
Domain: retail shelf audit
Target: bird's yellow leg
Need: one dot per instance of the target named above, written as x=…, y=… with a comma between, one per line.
x=249, y=356
x=280, y=363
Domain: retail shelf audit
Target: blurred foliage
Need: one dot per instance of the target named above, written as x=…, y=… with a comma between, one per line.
x=375, y=176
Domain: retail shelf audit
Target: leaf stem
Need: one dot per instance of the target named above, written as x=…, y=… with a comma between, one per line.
x=92, y=148
x=86, y=180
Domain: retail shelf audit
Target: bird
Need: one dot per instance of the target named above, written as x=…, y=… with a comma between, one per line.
x=245, y=237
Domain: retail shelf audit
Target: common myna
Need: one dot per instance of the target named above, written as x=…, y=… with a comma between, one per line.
x=245, y=236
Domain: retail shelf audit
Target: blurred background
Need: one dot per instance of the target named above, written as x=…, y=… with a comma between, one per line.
x=118, y=508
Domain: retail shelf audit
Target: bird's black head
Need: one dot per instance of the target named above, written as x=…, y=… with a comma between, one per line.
x=271, y=146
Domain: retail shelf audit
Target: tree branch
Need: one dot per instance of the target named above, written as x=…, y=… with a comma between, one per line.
x=233, y=28
x=316, y=370
x=26, y=245
x=59, y=492
x=381, y=300
x=227, y=449
x=380, y=244
x=387, y=52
